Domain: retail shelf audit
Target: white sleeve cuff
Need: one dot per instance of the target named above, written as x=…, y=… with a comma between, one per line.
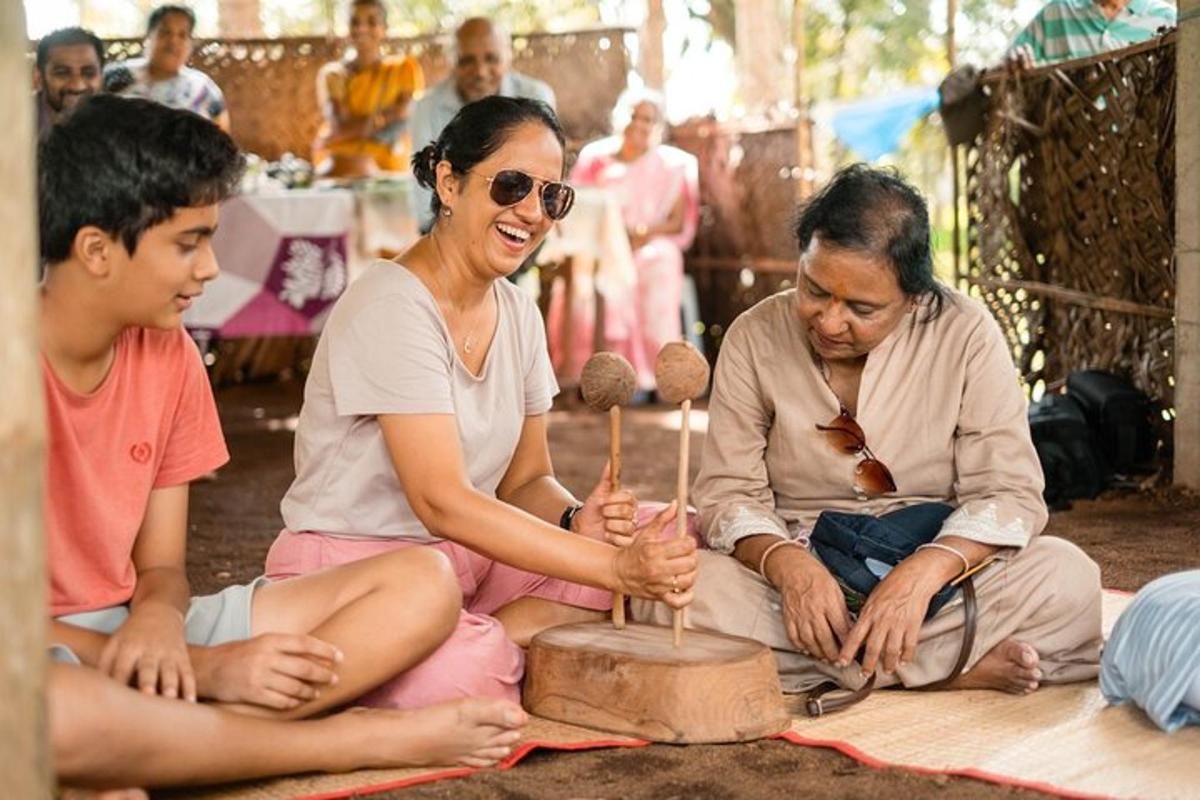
x=738, y=522
x=983, y=526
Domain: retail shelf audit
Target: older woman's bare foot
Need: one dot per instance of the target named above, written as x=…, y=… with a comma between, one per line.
x=1011, y=666
x=474, y=732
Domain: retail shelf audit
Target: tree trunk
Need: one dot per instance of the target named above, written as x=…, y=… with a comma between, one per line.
x=804, y=147
x=951, y=32
x=1187, y=246
x=765, y=79
x=239, y=19
x=651, y=45
x=24, y=763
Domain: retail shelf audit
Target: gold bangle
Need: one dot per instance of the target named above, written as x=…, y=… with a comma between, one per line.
x=947, y=548
x=762, y=560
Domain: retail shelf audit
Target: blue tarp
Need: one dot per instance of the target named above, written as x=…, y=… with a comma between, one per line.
x=874, y=127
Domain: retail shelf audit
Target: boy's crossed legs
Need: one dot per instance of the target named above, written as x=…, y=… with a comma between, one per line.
x=383, y=615
x=105, y=735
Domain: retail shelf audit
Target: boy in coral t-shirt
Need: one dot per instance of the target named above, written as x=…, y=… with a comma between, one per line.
x=128, y=202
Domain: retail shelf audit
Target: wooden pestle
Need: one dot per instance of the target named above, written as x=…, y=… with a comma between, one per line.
x=681, y=373
x=607, y=383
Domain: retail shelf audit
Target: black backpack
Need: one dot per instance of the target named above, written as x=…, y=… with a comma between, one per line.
x=1120, y=416
x=1067, y=449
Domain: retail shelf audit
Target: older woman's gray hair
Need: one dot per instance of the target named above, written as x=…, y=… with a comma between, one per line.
x=633, y=97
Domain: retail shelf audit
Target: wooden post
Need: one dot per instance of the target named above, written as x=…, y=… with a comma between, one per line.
x=1187, y=246
x=955, y=172
x=650, y=45
x=24, y=762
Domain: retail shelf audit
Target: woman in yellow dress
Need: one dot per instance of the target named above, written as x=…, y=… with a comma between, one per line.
x=366, y=101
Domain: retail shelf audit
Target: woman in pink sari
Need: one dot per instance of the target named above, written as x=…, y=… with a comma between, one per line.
x=658, y=192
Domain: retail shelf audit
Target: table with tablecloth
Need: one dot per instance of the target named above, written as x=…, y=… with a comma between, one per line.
x=285, y=257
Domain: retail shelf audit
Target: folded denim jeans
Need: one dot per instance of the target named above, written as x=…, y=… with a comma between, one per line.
x=860, y=549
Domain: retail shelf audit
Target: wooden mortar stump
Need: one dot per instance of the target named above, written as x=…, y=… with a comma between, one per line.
x=713, y=688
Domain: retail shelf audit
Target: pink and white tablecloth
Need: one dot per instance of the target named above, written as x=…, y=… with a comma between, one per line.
x=284, y=260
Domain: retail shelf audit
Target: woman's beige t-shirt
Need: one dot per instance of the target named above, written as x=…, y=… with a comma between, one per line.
x=385, y=349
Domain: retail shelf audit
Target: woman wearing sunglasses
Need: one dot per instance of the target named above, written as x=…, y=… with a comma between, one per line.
x=870, y=388
x=424, y=422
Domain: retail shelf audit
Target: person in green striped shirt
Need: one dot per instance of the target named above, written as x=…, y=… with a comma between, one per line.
x=1066, y=29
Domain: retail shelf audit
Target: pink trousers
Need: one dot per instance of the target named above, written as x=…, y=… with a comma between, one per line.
x=478, y=659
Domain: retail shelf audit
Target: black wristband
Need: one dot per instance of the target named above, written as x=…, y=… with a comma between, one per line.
x=568, y=516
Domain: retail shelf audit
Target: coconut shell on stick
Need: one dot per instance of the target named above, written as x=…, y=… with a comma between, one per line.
x=607, y=380
x=680, y=372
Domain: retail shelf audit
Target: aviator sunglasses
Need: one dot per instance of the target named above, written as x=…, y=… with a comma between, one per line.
x=510, y=186
x=846, y=435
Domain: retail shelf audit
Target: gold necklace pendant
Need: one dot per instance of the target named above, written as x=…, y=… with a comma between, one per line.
x=468, y=343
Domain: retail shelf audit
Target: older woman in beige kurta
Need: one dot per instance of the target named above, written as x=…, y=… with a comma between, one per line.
x=928, y=376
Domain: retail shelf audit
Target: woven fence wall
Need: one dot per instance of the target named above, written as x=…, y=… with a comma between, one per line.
x=270, y=84
x=751, y=179
x=1070, y=194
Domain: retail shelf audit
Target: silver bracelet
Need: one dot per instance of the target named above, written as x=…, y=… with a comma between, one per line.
x=762, y=560
x=948, y=549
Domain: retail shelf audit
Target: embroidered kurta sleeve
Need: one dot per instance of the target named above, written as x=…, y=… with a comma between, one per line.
x=733, y=489
x=999, y=479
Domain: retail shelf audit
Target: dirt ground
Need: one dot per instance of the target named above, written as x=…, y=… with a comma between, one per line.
x=235, y=517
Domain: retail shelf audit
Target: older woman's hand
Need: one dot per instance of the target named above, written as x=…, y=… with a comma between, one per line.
x=814, y=609
x=658, y=566
x=889, y=624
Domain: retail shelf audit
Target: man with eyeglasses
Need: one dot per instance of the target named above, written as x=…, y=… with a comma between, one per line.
x=69, y=64
x=482, y=60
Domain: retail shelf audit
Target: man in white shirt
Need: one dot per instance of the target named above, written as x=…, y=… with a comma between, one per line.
x=482, y=61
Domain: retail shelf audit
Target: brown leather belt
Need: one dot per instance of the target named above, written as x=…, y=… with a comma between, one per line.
x=817, y=703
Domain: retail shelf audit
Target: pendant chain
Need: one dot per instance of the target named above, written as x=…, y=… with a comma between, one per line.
x=469, y=341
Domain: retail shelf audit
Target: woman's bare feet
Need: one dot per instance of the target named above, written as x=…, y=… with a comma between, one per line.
x=474, y=732
x=1011, y=666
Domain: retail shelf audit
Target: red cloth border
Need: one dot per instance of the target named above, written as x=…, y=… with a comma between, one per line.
x=459, y=772
x=844, y=748
x=847, y=749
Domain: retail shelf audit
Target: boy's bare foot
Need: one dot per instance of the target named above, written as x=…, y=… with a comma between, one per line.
x=474, y=732
x=1011, y=666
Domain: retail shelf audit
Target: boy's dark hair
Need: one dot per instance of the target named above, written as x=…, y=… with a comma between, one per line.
x=876, y=212
x=117, y=79
x=67, y=37
x=156, y=16
x=478, y=130
x=125, y=165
